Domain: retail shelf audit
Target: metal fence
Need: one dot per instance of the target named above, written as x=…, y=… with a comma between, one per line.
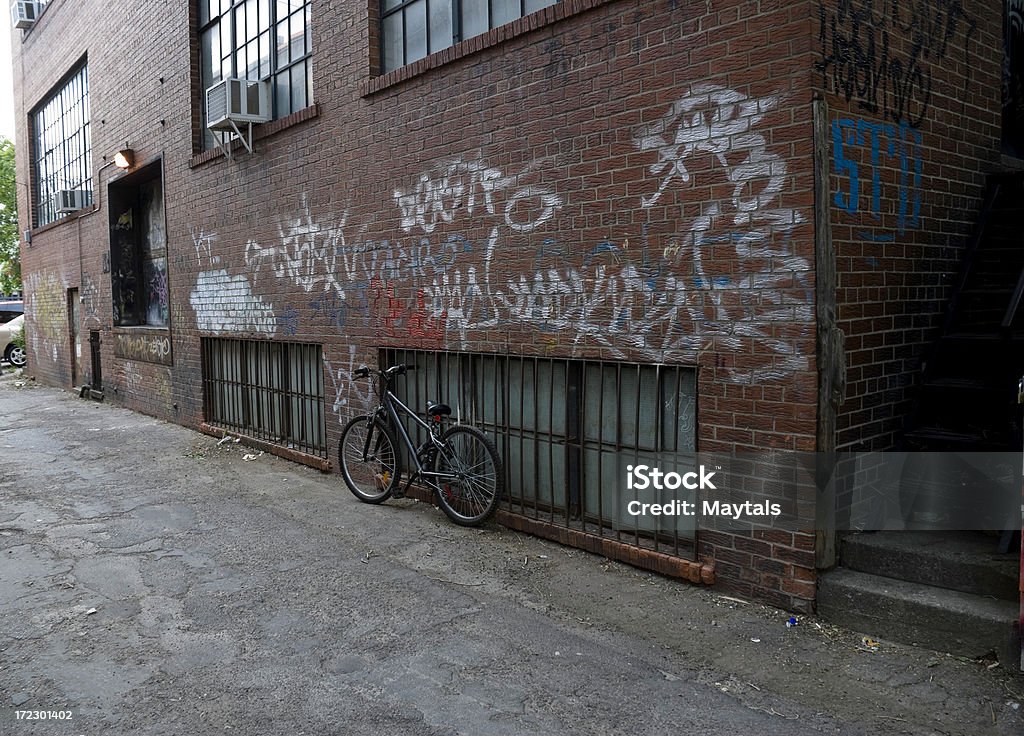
x=271, y=391
x=566, y=430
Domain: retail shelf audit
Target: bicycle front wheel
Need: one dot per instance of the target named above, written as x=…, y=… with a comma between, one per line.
x=369, y=459
x=471, y=478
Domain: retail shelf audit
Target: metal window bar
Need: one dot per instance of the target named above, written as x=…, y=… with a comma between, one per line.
x=566, y=429
x=61, y=147
x=270, y=391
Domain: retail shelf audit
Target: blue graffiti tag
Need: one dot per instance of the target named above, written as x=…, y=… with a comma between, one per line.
x=901, y=143
x=289, y=321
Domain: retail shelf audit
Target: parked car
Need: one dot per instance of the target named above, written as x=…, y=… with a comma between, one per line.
x=12, y=352
x=9, y=309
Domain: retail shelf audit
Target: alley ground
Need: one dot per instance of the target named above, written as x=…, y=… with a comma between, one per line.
x=153, y=582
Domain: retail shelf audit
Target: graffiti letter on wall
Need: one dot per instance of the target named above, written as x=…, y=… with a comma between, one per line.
x=886, y=145
x=144, y=348
x=882, y=52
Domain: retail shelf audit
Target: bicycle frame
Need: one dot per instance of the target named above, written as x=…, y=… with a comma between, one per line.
x=390, y=405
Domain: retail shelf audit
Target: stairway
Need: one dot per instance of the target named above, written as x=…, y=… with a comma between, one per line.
x=968, y=399
x=951, y=591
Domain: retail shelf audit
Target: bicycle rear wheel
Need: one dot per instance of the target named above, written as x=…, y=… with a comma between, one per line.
x=369, y=459
x=472, y=481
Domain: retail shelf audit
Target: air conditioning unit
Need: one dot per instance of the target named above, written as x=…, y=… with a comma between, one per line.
x=72, y=200
x=234, y=102
x=24, y=13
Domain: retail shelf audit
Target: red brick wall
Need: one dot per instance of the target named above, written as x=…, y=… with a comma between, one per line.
x=935, y=67
x=615, y=179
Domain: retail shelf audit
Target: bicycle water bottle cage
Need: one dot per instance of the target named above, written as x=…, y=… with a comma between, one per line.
x=438, y=410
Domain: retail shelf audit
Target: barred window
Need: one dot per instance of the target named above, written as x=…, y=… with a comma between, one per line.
x=271, y=391
x=61, y=150
x=411, y=29
x=566, y=429
x=256, y=40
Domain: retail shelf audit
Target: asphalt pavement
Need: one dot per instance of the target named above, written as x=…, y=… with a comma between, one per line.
x=155, y=582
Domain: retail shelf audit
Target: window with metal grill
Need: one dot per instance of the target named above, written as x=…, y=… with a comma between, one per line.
x=62, y=151
x=411, y=29
x=268, y=390
x=256, y=40
x=566, y=430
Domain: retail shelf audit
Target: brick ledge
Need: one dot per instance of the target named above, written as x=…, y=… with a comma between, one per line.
x=320, y=463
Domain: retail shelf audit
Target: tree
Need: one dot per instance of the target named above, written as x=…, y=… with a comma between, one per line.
x=10, y=261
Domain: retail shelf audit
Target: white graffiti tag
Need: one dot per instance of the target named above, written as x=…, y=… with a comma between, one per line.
x=469, y=186
x=306, y=255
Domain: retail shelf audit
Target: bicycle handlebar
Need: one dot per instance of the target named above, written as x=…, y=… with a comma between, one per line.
x=400, y=370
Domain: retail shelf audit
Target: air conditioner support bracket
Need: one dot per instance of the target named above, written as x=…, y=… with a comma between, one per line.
x=246, y=138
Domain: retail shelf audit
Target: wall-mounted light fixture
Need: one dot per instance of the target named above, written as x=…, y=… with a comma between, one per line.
x=124, y=158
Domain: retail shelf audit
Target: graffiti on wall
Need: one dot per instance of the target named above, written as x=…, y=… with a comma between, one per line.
x=351, y=396
x=723, y=280
x=861, y=153
x=90, y=303
x=458, y=187
x=224, y=303
x=745, y=277
x=306, y=254
x=144, y=348
x=883, y=53
x=45, y=302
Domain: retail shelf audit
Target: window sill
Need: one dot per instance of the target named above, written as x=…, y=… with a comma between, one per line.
x=493, y=37
x=70, y=217
x=259, y=132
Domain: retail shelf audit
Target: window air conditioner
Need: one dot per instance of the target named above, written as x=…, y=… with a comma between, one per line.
x=24, y=13
x=71, y=200
x=234, y=102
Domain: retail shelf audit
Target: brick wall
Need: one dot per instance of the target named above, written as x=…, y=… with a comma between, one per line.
x=608, y=179
x=914, y=97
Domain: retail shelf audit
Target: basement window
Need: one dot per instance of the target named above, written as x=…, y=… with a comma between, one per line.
x=268, y=390
x=565, y=429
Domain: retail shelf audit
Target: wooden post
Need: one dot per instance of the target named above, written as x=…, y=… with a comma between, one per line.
x=830, y=349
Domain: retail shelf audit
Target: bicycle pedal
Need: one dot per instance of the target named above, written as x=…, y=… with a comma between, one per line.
x=398, y=493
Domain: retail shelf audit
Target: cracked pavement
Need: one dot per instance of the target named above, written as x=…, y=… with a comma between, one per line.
x=151, y=581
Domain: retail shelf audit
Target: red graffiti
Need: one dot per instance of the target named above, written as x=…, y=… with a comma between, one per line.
x=403, y=319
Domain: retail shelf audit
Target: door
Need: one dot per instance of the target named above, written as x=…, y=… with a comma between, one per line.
x=76, y=342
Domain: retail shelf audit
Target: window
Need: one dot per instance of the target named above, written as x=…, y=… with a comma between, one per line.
x=566, y=429
x=271, y=391
x=138, y=249
x=411, y=29
x=61, y=150
x=258, y=39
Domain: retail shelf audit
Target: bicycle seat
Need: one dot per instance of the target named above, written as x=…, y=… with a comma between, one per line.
x=438, y=410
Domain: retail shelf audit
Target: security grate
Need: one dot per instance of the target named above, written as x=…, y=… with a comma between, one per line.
x=268, y=390
x=566, y=430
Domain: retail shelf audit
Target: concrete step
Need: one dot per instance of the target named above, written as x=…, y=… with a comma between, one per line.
x=966, y=561
x=923, y=615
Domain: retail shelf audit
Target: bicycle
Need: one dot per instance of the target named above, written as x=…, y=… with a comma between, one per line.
x=460, y=464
